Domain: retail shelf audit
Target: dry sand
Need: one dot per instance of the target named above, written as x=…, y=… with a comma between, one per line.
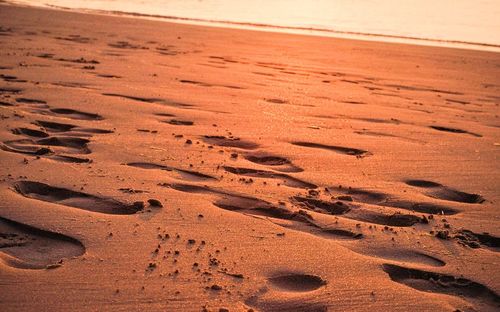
x=295, y=173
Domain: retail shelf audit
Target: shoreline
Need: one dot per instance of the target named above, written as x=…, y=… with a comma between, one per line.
x=309, y=31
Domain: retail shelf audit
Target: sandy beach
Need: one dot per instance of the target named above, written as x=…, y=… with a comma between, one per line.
x=154, y=166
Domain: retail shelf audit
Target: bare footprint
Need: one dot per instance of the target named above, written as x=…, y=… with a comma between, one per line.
x=149, y=100
x=296, y=282
x=385, y=200
x=276, y=162
x=441, y=283
x=476, y=240
x=26, y=247
x=439, y=191
x=338, y=149
x=294, y=220
x=66, y=197
x=454, y=130
x=229, y=142
x=63, y=127
x=286, y=179
x=185, y=174
x=74, y=114
x=30, y=132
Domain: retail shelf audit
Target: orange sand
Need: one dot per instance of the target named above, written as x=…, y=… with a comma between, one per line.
x=295, y=173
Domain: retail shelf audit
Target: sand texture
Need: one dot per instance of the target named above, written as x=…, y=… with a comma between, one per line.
x=152, y=166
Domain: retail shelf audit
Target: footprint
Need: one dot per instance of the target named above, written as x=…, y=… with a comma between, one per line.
x=108, y=76
x=80, y=60
x=454, y=130
x=338, y=149
x=395, y=219
x=177, y=122
x=195, y=83
x=384, y=200
x=127, y=45
x=229, y=142
x=440, y=191
x=149, y=100
x=286, y=179
x=337, y=208
x=276, y=162
x=10, y=90
x=445, y=284
x=2, y=103
x=33, y=146
x=30, y=132
x=26, y=247
x=31, y=101
x=25, y=147
x=165, y=114
x=299, y=221
x=420, y=207
x=74, y=114
x=54, y=126
x=63, y=127
x=79, y=145
x=9, y=78
x=75, y=38
x=66, y=197
x=475, y=240
x=399, y=255
x=186, y=174
x=296, y=282
x=276, y=101
x=70, y=159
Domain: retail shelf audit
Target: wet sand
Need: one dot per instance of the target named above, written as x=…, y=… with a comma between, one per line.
x=159, y=166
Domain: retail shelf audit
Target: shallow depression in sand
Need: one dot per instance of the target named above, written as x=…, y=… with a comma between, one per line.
x=296, y=282
x=27, y=247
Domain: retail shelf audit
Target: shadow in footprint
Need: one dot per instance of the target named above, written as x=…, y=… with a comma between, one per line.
x=321, y=206
x=441, y=283
x=395, y=219
x=66, y=197
x=30, y=132
x=338, y=149
x=78, y=145
x=476, y=240
x=70, y=159
x=399, y=255
x=62, y=127
x=229, y=142
x=296, y=282
x=276, y=162
x=54, y=126
x=186, y=174
x=10, y=90
x=291, y=291
x=27, y=247
x=384, y=200
x=177, y=122
x=454, y=130
x=27, y=147
x=439, y=191
x=351, y=210
x=38, y=103
x=33, y=147
x=299, y=221
x=74, y=114
x=149, y=100
x=286, y=179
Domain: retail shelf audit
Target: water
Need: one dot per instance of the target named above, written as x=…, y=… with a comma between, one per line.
x=467, y=23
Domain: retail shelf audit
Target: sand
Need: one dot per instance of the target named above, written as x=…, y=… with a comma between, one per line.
x=169, y=167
